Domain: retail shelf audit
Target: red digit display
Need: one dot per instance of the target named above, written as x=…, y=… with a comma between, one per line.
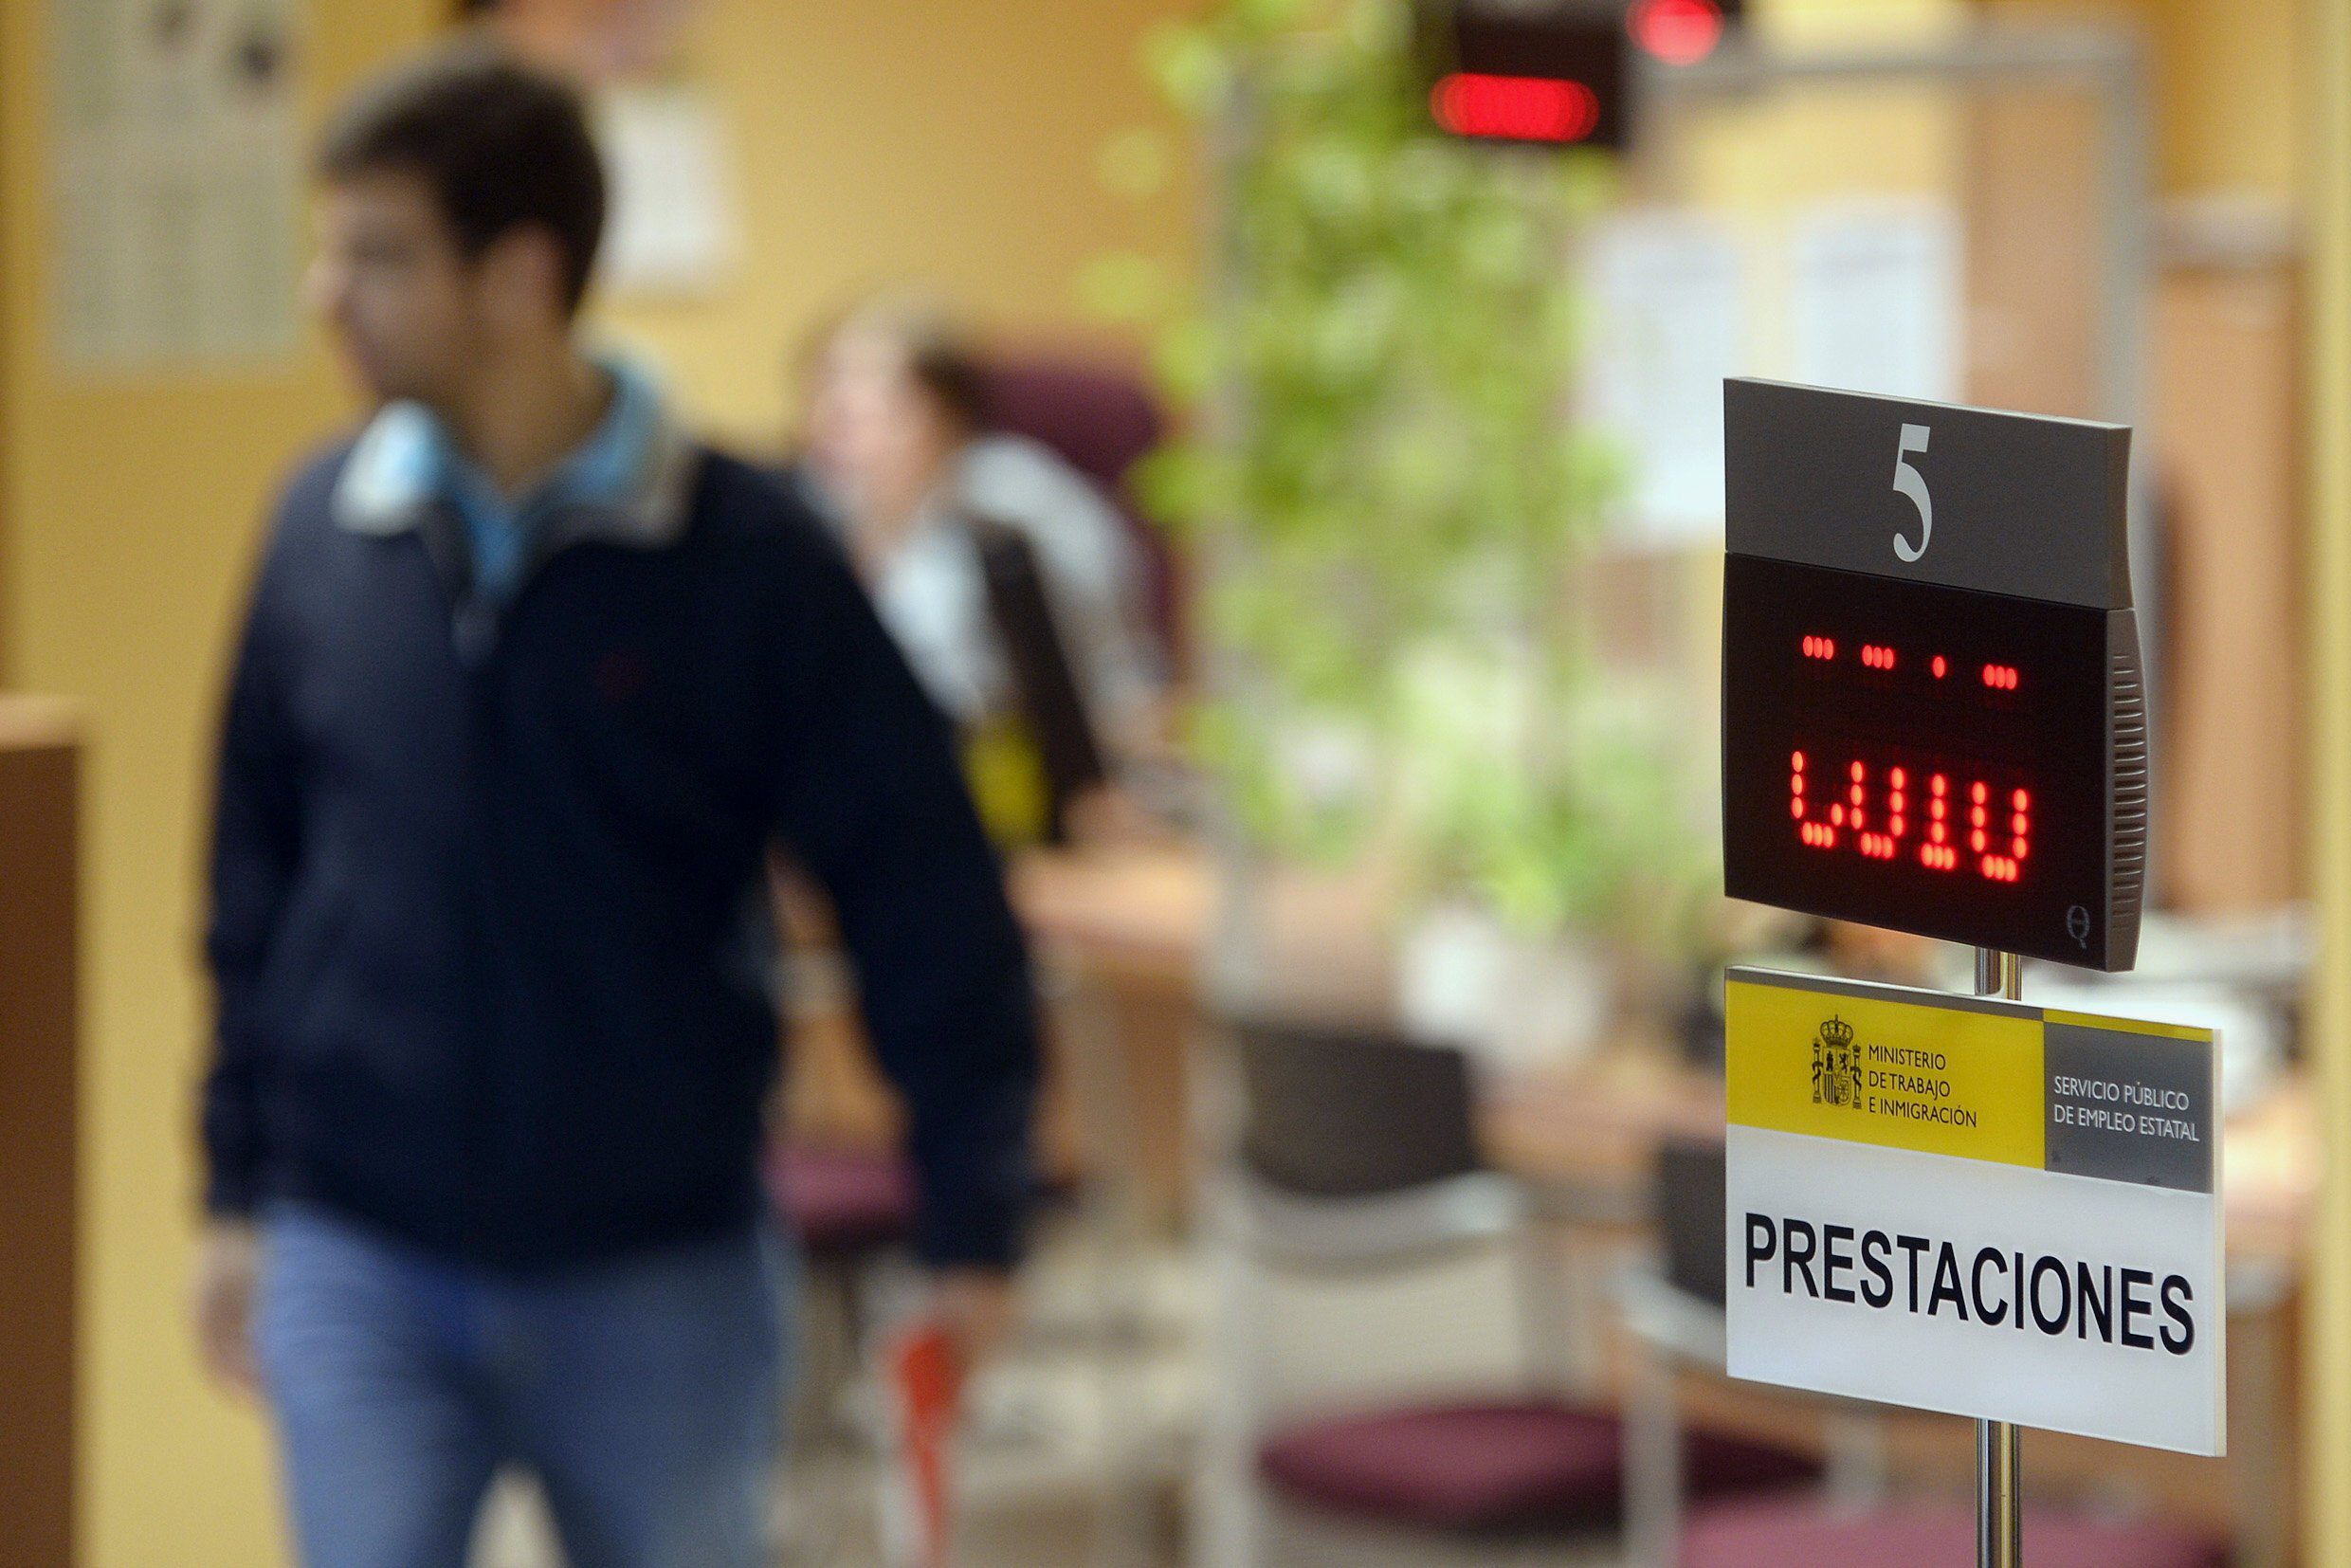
x=2000, y=851
x=1926, y=758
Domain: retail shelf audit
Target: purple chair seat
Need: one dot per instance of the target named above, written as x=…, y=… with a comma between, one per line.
x=842, y=1201
x=1783, y=1534
x=1493, y=1467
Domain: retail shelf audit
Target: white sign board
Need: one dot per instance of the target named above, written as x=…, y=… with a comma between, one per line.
x=1975, y=1206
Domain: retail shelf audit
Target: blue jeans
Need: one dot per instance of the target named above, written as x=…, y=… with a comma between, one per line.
x=645, y=1396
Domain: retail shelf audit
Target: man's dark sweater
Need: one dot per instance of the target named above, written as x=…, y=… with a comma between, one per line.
x=482, y=874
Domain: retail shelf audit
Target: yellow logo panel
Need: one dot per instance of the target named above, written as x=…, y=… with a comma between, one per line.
x=1963, y=1079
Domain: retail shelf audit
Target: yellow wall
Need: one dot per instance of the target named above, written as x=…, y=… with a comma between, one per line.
x=2326, y=1343
x=2228, y=91
x=130, y=505
x=954, y=140
x=2228, y=77
x=947, y=143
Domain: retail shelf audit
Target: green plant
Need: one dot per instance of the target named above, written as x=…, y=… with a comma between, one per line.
x=1384, y=475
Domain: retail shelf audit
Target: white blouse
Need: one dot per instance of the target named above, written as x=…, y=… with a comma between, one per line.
x=932, y=596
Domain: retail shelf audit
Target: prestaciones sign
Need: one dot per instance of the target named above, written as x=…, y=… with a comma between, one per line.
x=1975, y=1206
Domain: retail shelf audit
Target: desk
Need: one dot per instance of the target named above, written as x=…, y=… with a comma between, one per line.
x=1138, y=913
x=1117, y=934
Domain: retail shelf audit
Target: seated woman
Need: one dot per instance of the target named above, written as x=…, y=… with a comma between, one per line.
x=895, y=452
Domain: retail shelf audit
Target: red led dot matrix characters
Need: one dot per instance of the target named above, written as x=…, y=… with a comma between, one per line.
x=1813, y=834
x=2000, y=676
x=1820, y=647
x=1997, y=833
x=1876, y=657
x=1942, y=667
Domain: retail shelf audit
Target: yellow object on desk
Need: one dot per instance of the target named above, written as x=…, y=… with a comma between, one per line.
x=1007, y=777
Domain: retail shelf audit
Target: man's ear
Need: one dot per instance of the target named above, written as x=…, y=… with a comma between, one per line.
x=520, y=277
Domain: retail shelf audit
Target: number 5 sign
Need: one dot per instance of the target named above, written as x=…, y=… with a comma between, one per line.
x=1912, y=483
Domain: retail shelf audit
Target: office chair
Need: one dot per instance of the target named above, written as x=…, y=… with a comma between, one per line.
x=1101, y=422
x=1358, y=1160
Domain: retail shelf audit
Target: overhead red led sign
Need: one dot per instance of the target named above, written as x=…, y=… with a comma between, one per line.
x=1680, y=33
x=1514, y=108
x=1534, y=74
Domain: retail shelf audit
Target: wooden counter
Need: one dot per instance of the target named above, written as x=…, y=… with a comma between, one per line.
x=39, y=768
x=1117, y=934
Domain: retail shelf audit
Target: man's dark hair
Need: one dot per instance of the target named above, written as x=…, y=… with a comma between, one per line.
x=499, y=145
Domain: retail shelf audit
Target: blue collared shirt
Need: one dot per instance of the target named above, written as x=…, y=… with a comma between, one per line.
x=608, y=469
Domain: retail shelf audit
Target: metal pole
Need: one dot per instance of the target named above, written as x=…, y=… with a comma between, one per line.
x=1999, y=1462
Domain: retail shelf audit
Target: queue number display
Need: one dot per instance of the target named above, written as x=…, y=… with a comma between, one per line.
x=1929, y=758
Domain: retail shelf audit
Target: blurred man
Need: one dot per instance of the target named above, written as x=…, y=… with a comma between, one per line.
x=530, y=685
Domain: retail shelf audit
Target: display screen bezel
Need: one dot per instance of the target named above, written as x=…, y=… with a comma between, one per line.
x=2045, y=730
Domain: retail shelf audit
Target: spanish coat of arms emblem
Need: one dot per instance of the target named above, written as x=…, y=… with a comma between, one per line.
x=1836, y=1066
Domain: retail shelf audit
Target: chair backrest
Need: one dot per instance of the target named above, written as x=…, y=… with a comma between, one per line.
x=1100, y=422
x=1338, y=1113
x=1690, y=1188
x=1046, y=685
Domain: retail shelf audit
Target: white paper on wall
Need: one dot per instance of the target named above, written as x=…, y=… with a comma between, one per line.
x=675, y=227
x=175, y=181
x=1668, y=313
x=1875, y=297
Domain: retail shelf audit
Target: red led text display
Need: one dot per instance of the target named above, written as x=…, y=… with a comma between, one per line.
x=1911, y=756
x=1514, y=108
